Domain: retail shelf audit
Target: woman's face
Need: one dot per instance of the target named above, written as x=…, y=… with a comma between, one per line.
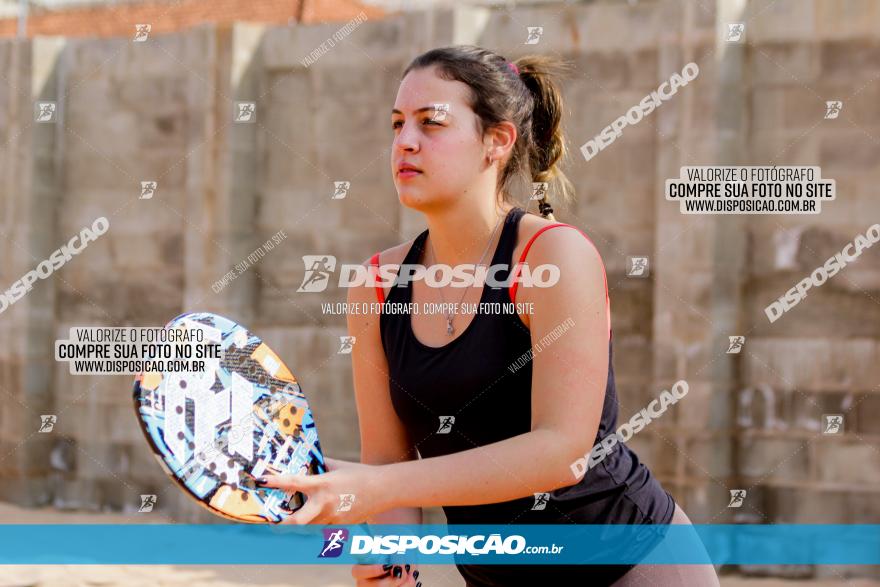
x=444, y=145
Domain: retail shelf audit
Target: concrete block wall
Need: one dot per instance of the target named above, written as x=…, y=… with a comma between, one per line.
x=820, y=357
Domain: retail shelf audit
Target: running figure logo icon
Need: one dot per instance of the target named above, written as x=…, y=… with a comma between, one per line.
x=736, y=344
x=346, y=343
x=346, y=500
x=440, y=111
x=539, y=189
x=245, y=112
x=446, y=423
x=318, y=271
x=148, y=189
x=735, y=32
x=141, y=32
x=535, y=33
x=340, y=189
x=833, y=423
x=737, y=496
x=45, y=112
x=334, y=541
x=147, y=503
x=541, y=500
x=47, y=422
x=637, y=266
x=832, y=109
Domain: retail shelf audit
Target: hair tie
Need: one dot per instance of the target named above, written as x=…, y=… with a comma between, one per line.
x=513, y=67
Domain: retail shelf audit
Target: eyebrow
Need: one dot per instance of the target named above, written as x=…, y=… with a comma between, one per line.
x=422, y=109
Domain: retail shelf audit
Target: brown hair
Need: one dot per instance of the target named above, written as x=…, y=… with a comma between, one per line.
x=531, y=99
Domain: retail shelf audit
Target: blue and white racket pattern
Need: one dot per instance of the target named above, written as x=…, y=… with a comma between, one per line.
x=214, y=432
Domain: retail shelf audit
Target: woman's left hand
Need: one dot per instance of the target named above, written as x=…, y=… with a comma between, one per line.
x=346, y=494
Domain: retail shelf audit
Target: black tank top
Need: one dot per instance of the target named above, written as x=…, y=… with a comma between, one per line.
x=469, y=378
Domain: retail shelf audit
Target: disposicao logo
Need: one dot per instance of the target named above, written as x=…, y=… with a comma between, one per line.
x=334, y=542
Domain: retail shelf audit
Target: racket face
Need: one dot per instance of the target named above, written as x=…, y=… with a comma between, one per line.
x=245, y=416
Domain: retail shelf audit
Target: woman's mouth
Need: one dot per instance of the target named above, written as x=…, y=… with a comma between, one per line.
x=407, y=173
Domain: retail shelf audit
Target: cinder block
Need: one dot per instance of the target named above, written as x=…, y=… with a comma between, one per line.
x=783, y=20
x=849, y=151
x=642, y=67
x=609, y=70
x=849, y=59
x=763, y=459
x=811, y=364
x=847, y=462
x=845, y=19
x=866, y=409
x=787, y=64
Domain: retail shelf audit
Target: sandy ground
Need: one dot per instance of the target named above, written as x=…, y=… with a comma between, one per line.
x=240, y=575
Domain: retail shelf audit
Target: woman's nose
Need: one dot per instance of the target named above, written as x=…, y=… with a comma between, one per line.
x=406, y=139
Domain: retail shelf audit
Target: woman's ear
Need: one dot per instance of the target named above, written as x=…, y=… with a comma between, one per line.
x=500, y=139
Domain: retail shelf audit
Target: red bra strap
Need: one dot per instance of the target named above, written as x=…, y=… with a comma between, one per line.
x=522, y=259
x=380, y=293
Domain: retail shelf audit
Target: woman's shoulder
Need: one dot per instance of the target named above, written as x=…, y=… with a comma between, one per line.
x=567, y=240
x=394, y=255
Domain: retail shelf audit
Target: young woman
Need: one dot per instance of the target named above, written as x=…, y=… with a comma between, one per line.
x=527, y=397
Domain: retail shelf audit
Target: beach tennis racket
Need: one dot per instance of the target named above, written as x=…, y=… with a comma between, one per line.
x=215, y=431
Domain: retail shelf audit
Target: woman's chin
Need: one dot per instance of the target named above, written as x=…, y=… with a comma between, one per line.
x=412, y=199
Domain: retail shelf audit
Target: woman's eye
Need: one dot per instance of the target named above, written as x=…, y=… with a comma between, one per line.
x=396, y=124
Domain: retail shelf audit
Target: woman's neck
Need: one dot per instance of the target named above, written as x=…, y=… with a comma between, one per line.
x=460, y=235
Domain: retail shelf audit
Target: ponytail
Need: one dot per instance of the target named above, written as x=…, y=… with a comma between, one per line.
x=547, y=148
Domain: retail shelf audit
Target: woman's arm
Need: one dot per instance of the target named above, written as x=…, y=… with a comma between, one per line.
x=383, y=437
x=569, y=375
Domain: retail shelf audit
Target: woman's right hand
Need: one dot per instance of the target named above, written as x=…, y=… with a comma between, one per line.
x=384, y=575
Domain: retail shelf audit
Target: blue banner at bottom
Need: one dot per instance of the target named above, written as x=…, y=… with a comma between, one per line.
x=439, y=544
